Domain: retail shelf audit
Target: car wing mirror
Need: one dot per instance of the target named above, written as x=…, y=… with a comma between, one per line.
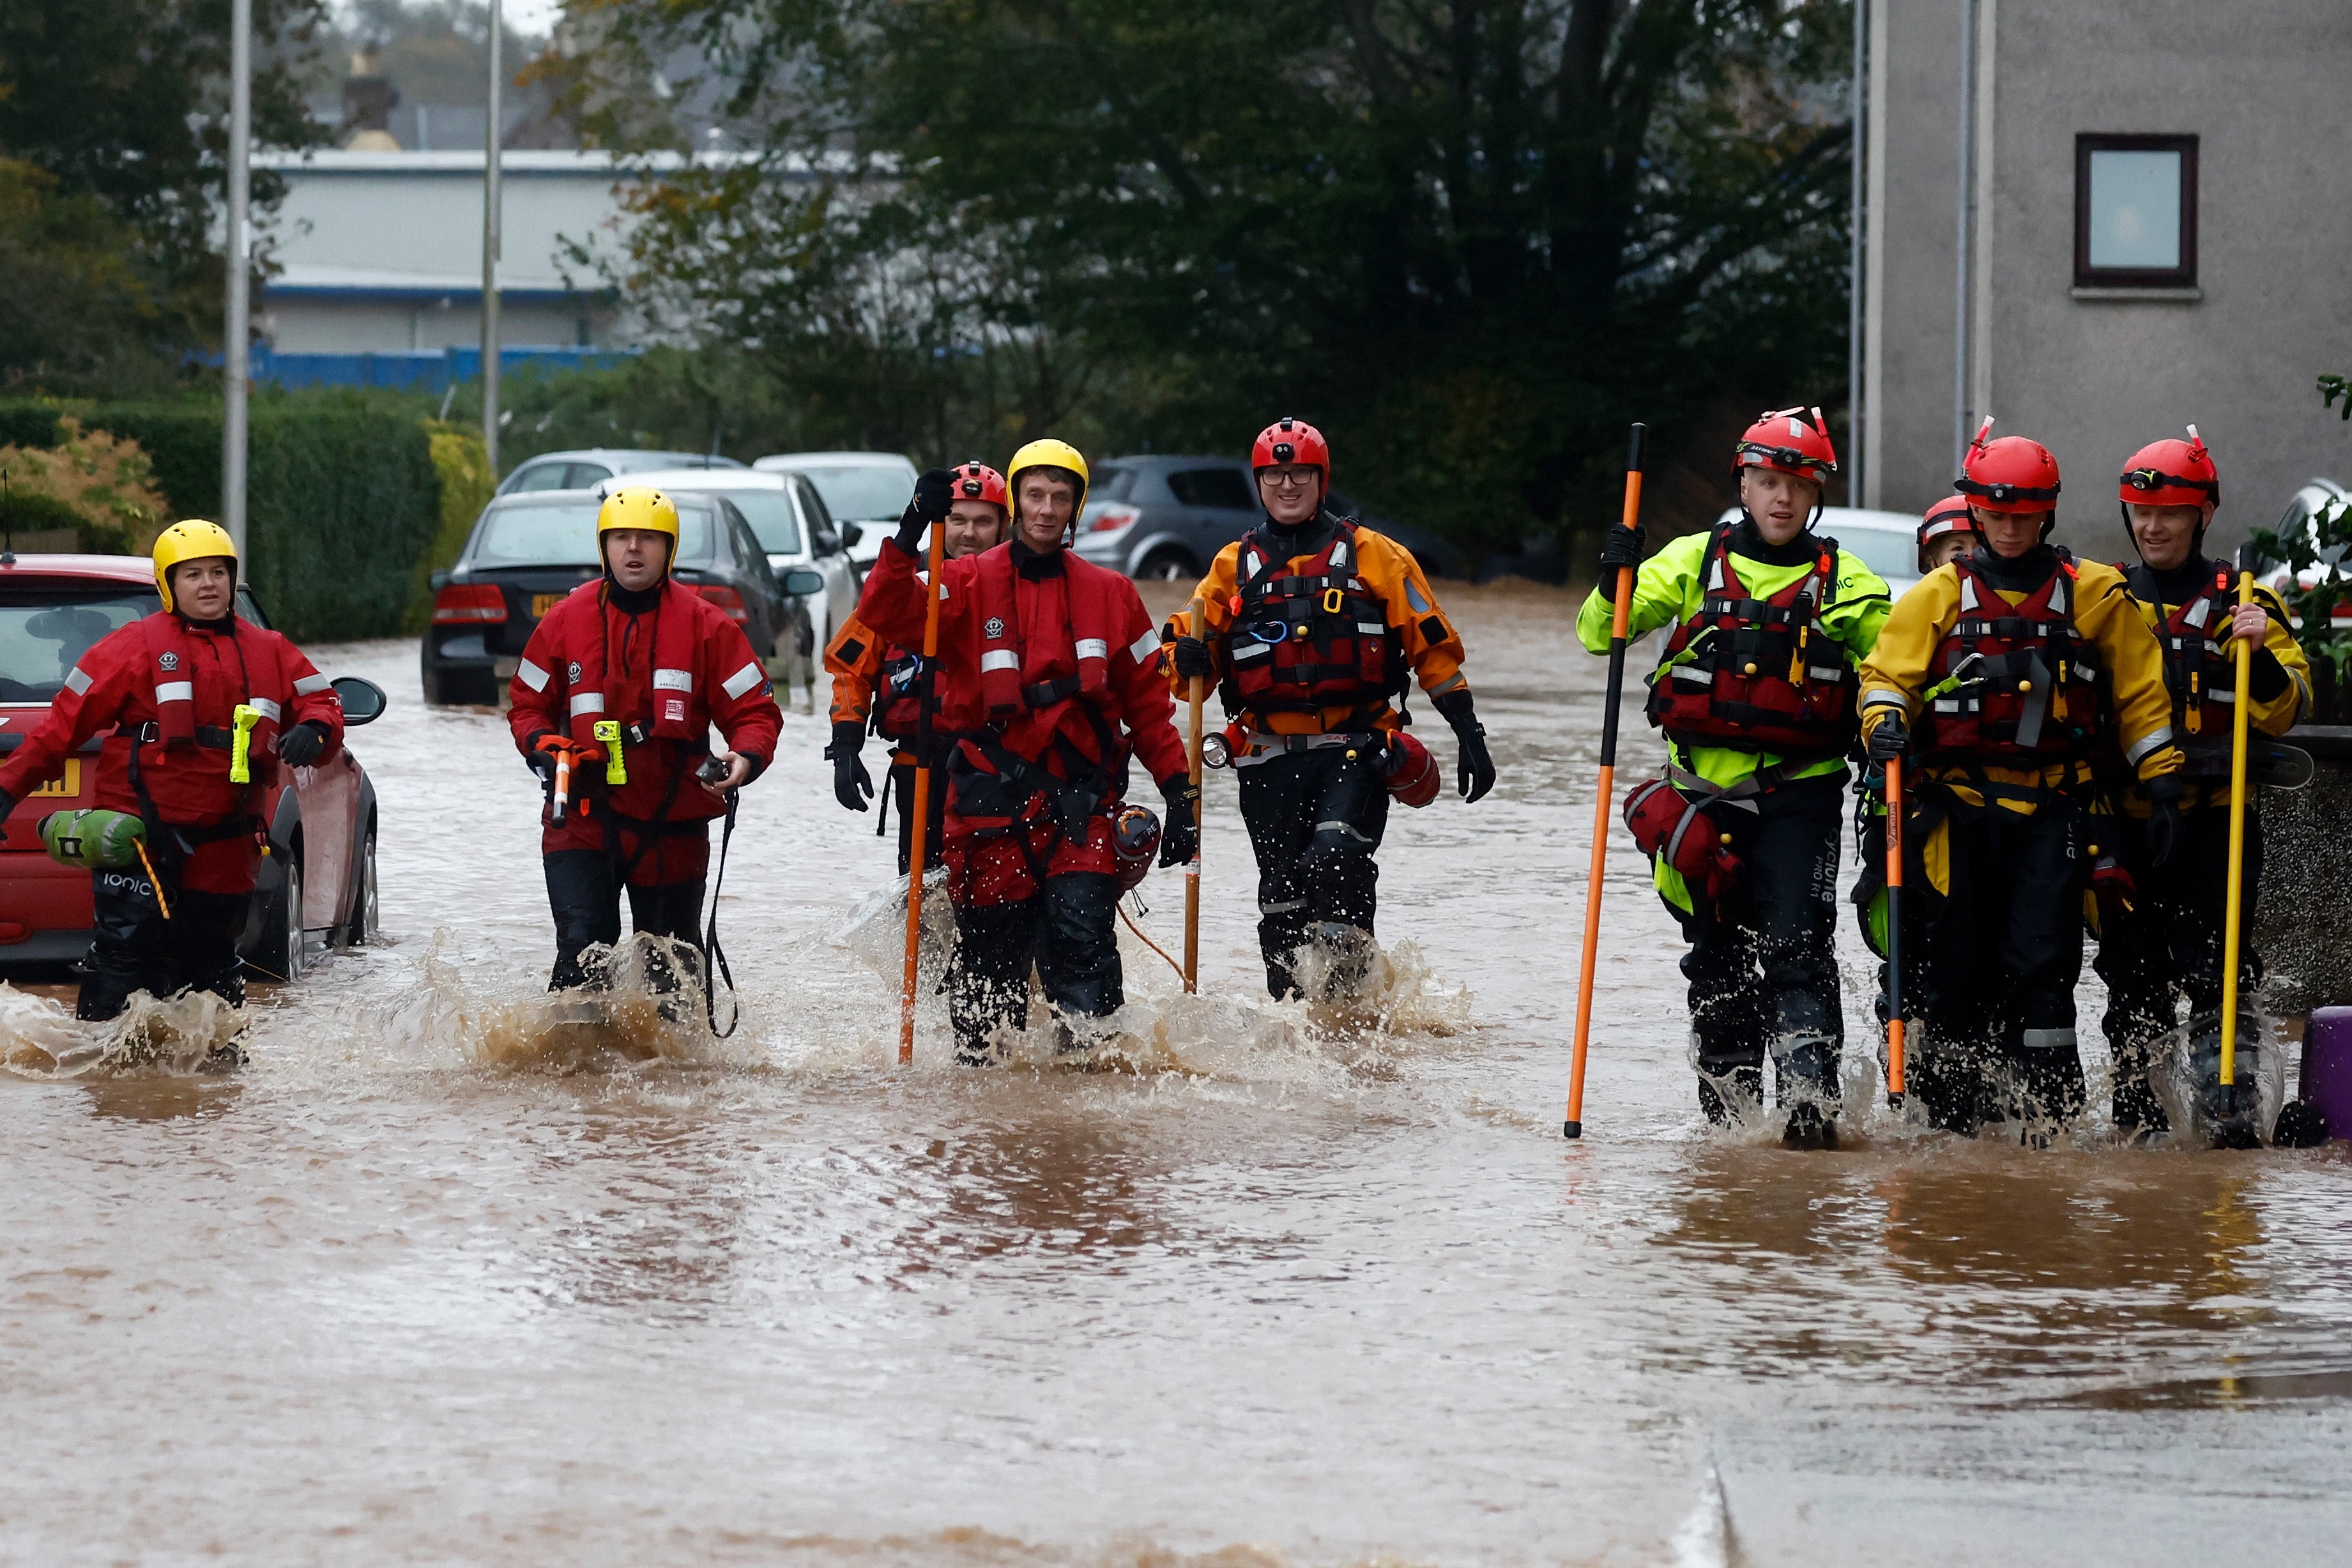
x=850, y=534
x=800, y=580
x=364, y=701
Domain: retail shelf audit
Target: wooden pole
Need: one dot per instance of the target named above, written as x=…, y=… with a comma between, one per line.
x=1895, y=933
x=1573, y=1127
x=2242, y=650
x=1196, y=620
x=918, y=825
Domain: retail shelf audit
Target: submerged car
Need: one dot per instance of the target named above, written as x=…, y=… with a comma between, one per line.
x=317, y=884
x=1164, y=518
x=865, y=492
x=528, y=550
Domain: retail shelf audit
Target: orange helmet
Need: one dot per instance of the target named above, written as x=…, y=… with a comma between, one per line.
x=2171, y=473
x=2011, y=474
x=1784, y=443
x=976, y=481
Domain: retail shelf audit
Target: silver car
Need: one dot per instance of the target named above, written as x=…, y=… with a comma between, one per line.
x=1887, y=542
x=592, y=466
x=864, y=491
x=1166, y=517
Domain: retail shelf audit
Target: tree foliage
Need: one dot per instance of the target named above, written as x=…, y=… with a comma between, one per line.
x=1471, y=239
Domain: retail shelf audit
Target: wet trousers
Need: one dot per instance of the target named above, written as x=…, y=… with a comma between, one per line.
x=1314, y=819
x=133, y=947
x=583, y=891
x=1064, y=930
x=1763, y=961
x=902, y=794
x=2167, y=947
x=2004, y=947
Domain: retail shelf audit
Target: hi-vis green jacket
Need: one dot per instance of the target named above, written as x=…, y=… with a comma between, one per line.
x=1668, y=590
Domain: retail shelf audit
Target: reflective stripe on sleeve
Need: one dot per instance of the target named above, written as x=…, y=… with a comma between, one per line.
x=674, y=680
x=1000, y=659
x=77, y=680
x=741, y=681
x=1144, y=649
x=268, y=710
x=1449, y=683
x=2160, y=736
x=532, y=675
x=1880, y=696
x=587, y=701
x=176, y=692
x=309, y=684
x=1093, y=648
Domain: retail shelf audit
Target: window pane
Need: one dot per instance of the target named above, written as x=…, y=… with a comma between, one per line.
x=1222, y=488
x=864, y=494
x=2135, y=209
x=566, y=536
x=769, y=513
x=1887, y=554
x=586, y=476
x=540, y=477
x=1111, y=483
x=40, y=642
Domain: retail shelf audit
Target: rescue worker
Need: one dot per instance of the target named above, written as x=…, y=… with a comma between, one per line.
x=861, y=666
x=1313, y=624
x=622, y=684
x=1048, y=675
x=1755, y=690
x=203, y=708
x=2164, y=944
x=2006, y=673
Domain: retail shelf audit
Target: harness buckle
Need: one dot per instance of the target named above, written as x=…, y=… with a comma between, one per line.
x=1334, y=601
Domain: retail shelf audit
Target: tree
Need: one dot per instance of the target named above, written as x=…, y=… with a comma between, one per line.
x=1470, y=238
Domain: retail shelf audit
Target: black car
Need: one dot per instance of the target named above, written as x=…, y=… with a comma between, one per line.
x=1166, y=517
x=530, y=549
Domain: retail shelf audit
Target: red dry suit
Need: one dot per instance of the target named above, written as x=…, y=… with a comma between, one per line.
x=664, y=677
x=170, y=689
x=1049, y=679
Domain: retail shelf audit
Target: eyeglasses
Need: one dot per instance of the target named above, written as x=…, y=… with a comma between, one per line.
x=1289, y=478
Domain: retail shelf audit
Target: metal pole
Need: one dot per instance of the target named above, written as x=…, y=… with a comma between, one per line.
x=491, y=224
x=1961, y=254
x=236, y=325
x=1854, y=355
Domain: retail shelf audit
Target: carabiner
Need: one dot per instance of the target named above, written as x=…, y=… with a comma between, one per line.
x=1334, y=601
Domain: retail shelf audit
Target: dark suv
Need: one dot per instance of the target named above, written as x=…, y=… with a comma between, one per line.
x=1167, y=517
x=528, y=550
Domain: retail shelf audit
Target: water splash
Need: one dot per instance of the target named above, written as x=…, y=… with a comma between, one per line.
x=180, y=1037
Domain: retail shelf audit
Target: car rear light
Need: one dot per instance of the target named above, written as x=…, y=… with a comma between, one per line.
x=725, y=598
x=1112, y=517
x=469, y=604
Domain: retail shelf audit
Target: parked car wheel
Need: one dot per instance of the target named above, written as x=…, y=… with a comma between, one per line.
x=1166, y=563
x=281, y=931
x=365, y=921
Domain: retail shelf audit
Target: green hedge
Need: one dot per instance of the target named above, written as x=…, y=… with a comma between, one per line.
x=342, y=498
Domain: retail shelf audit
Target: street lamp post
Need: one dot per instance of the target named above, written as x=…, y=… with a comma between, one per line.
x=490, y=217
x=237, y=328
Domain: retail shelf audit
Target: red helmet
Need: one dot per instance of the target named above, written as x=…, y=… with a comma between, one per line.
x=2171, y=473
x=1292, y=441
x=1410, y=770
x=1784, y=443
x=976, y=481
x=2011, y=474
x=1948, y=516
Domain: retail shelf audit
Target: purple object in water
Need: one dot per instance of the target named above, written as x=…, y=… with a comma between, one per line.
x=2326, y=1077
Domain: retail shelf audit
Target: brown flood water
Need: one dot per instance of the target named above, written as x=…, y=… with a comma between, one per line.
x=1271, y=1297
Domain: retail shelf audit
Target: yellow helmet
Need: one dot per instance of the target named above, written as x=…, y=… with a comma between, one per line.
x=194, y=540
x=643, y=507
x=1048, y=454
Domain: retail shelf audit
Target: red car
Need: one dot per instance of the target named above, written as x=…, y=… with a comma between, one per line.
x=318, y=883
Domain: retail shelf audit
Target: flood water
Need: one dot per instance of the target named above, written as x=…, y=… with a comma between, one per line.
x=1269, y=1296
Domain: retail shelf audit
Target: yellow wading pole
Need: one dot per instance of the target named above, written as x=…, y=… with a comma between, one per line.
x=1573, y=1127
x=2243, y=652
x=1895, y=933
x=1196, y=621
x=922, y=819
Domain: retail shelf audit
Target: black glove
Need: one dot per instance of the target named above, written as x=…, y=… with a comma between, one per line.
x=539, y=762
x=1192, y=660
x=1621, y=546
x=2164, y=827
x=934, y=493
x=852, y=785
x=1180, y=836
x=1476, y=769
x=1887, y=741
x=302, y=745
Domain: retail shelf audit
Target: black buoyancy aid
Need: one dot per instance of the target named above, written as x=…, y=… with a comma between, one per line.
x=1304, y=640
x=2196, y=671
x=899, y=700
x=1758, y=674
x=2008, y=680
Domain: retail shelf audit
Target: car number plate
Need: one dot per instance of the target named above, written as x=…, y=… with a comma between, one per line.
x=540, y=603
x=66, y=785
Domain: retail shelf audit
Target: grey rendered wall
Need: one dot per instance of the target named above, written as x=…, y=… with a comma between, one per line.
x=2261, y=83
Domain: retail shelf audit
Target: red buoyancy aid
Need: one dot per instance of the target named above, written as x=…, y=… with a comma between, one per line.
x=2196, y=671
x=1313, y=639
x=1069, y=657
x=1758, y=674
x=2008, y=681
x=196, y=699
x=579, y=634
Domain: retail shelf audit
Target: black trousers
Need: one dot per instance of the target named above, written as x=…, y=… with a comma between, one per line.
x=2004, y=948
x=133, y=947
x=2167, y=948
x=1065, y=931
x=902, y=793
x=1314, y=819
x=1763, y=961
x=584, y=892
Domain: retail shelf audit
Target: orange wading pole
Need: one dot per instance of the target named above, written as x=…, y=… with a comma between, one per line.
x=1195, y=617
x=920, y=821
x=1573, y=1126
x=1895, y=933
